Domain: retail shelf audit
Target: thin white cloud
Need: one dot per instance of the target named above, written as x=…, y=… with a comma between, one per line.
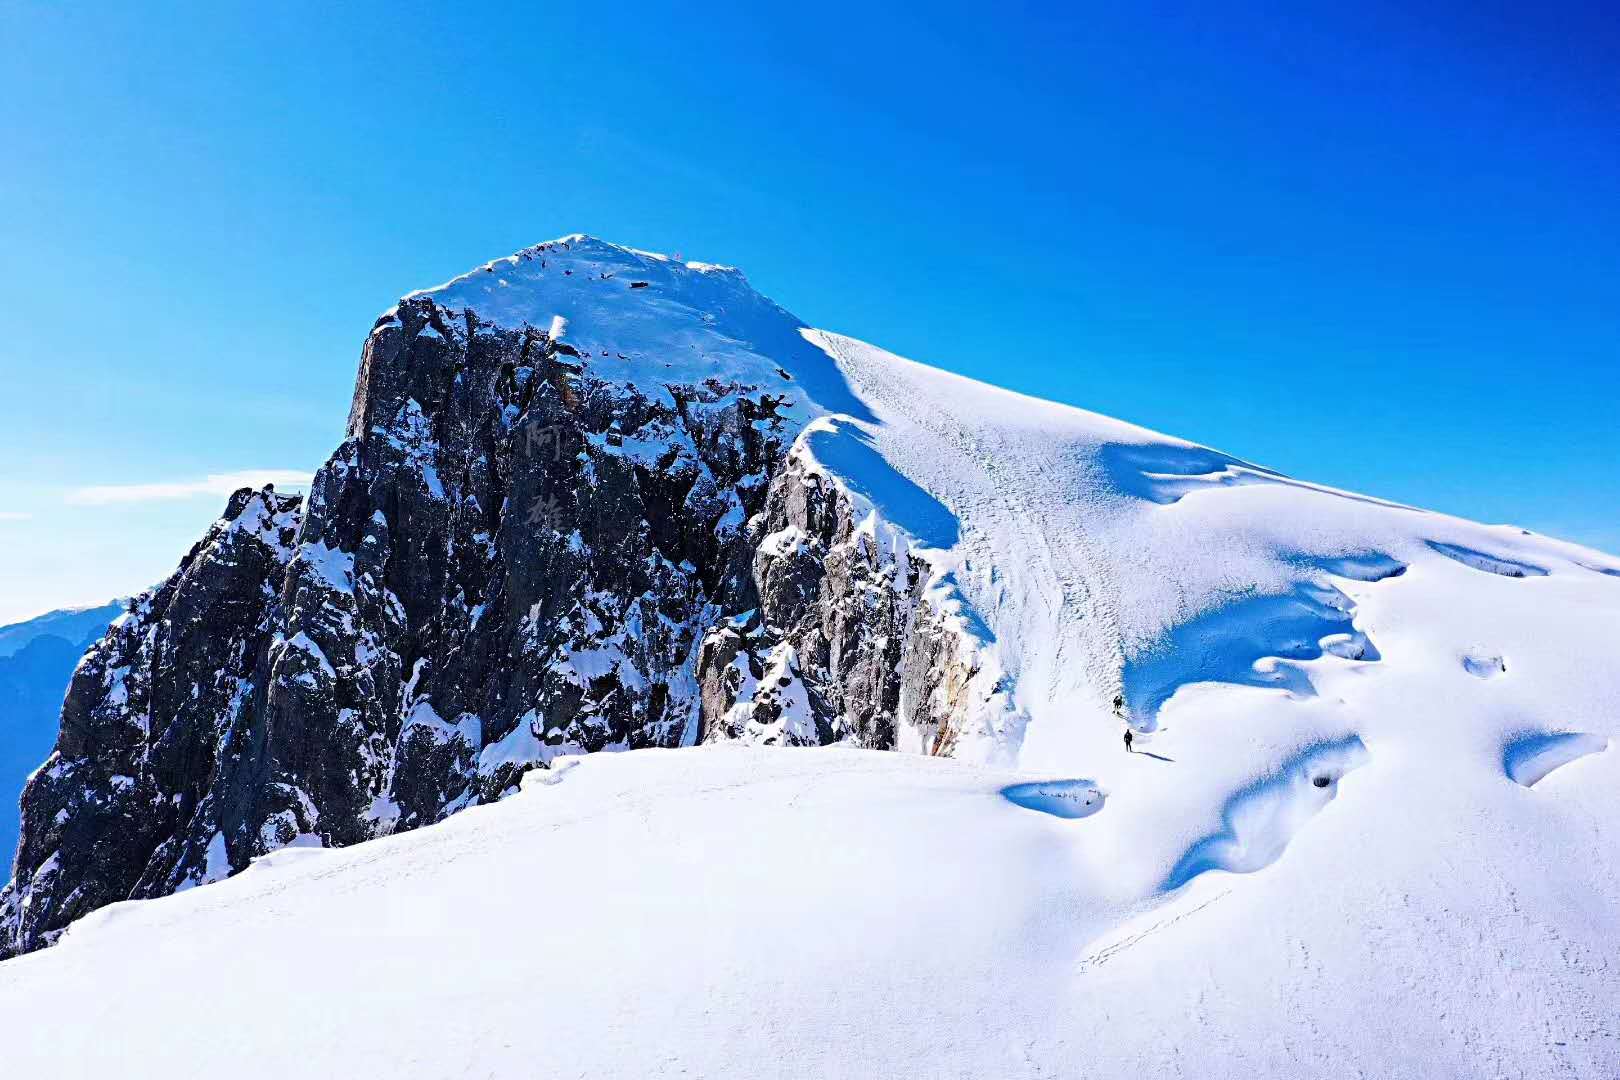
x=14, y=515
x=214, y=485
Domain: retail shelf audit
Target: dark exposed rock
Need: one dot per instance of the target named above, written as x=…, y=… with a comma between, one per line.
x=156, y=730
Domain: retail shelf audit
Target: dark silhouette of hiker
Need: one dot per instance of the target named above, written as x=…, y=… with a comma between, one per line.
x=1128, y=737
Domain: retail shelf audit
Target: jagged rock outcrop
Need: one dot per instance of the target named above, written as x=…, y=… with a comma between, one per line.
x=579, y=520
x=854, y=637
x=157, y=740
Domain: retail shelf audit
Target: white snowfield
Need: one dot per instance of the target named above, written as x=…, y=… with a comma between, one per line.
x=1370, y=826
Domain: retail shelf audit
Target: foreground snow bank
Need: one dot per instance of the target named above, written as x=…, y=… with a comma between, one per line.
x=727, y=911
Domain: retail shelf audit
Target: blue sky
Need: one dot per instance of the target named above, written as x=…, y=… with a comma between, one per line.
x=1372, y=247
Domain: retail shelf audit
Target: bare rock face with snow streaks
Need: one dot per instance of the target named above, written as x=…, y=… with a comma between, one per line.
x=576, y=510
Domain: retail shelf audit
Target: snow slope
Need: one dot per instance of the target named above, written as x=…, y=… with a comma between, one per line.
x=1369, y=829
x=728, y=911
x=1245, y=617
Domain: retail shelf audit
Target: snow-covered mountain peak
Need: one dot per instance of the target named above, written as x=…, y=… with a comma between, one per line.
x=582, y=255
x=1084, y=557
x=645, y=319
x=597, y=500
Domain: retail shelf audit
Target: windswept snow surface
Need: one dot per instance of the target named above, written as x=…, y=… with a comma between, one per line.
x=1325, y=858
x=755, y=912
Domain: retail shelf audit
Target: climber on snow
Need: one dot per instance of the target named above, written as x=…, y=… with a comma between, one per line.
x=1119, y=711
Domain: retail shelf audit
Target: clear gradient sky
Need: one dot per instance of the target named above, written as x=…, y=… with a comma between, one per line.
x=1368, y=245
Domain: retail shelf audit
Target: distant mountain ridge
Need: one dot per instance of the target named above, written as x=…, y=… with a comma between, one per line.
x=68, y=624
x=37, y=658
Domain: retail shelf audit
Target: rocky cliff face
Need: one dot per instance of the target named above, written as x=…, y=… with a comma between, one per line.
x=575, y=512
